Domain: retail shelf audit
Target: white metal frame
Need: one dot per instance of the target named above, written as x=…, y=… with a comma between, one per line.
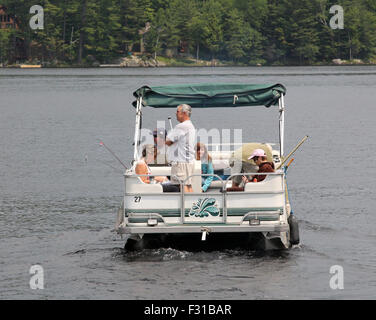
x=281, y=108
x=137, y=131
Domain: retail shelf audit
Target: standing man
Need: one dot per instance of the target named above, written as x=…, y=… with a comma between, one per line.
x=181, y=141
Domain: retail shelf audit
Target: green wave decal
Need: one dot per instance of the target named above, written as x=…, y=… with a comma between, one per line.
x=204, y=207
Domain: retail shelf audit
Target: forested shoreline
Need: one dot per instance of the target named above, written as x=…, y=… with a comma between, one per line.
x=235, y=32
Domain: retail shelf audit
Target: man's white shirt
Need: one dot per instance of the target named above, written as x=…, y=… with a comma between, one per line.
x=183, y=137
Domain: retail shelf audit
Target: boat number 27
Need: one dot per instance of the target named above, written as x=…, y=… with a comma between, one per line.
x=137, y=199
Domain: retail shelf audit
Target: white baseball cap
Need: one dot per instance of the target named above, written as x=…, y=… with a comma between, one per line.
x=257, y=153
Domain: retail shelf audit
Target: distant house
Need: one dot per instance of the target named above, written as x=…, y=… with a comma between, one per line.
x=17, y=47
x=7, y=20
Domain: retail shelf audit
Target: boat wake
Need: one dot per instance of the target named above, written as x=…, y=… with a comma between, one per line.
x=171, y=254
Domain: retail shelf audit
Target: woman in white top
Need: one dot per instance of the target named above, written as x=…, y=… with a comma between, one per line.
x=148, y=153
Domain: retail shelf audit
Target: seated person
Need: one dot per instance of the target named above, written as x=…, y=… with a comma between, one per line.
x=259, y=157
x=206, y=165
x=142, y=167
x=160, y=157
x=240, y=166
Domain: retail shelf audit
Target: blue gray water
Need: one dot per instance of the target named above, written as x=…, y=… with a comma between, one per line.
x=59, y=190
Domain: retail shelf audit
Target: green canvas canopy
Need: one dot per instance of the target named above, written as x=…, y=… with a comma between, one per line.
x=209, y=95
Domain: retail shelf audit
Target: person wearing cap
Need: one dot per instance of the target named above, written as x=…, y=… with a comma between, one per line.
x=181, y=151
x=240, y=166
x=259, y=157
x=159, y=135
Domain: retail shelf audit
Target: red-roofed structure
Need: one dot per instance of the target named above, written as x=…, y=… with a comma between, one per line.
x=7, y=20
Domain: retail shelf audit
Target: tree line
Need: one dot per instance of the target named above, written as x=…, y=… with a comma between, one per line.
x=249, y=32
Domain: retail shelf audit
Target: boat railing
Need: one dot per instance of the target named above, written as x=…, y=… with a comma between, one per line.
x=229, y=147
x=223, y=188
x=278, y=173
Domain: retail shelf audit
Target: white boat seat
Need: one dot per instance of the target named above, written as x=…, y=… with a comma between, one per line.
x=272, y=183
x=160, y=171
x=136, y=185
x=215, y=185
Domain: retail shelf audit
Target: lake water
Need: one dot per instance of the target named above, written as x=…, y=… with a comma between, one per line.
x=60, y=190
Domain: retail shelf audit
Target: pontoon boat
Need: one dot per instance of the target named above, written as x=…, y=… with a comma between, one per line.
x=259, y=213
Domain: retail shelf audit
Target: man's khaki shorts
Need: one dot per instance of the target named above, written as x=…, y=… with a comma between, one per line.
x=182, y=170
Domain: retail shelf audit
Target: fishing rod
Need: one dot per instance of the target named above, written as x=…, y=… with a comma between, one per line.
x=293, y=150
x=116, y=157
x=287, y=165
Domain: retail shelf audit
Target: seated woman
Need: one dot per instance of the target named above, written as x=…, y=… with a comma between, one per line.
x=240, y=166
x=259, y=157
x=206, y=165
x=142, y=167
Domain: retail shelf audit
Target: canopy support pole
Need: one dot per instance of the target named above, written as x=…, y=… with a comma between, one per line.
x=137, y=129
x=281, y=107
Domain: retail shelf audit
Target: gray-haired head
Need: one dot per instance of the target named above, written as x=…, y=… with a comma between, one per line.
x=185, y=108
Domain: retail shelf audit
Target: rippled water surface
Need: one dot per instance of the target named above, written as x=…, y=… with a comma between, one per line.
x=59, y=190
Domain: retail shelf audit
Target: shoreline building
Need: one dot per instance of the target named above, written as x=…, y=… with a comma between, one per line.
x=7, y=20
x=17, y=48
